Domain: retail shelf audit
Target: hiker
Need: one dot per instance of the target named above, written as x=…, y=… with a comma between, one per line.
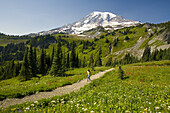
x=88, y=73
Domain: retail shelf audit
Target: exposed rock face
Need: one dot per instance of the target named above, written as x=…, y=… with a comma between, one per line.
x=166, y=36
x=135, y=51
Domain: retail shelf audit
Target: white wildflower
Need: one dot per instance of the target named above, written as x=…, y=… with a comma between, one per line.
x=36, y=102
x=27, y=108
x=157, y=108
x=127, y=111
x=91, y=111
x=53, y=101
x=141, y=107
x=168, y=108
x=32, y=105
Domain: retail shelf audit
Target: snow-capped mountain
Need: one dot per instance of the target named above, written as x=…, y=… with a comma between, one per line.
x=93, y=20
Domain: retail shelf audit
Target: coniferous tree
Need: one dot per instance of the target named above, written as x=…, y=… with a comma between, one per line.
x=80, y=63
x=109, y=61
x=56, y=69
x=100, y=51
x=98, y=61
x=35, y=55
x=107, y=41
x=73, y=56
x=25, y=72
x=1, y=73
x=91, y=62
x=34, y=64
x=115, y=42
x=109, y=49
x=153, y=55
x=121, y=73
x=77, y=60
x=63, y=62
x=35, y=60
x=48, y=62
x=31, y=60
x=127, y=38
x=115, y=63
x=52, y=56
x=45, y=61
x=11, y=69
x=42, y=63
x=68, y=61
x=84, y=62
x=146, y=54
x=17, y=69
x=167, y=54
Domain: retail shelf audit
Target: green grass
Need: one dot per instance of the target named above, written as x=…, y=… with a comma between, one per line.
x=14, y=88
x=4, y=42
x=139, y=32
x=146, y=89
x=157, y=43
x=152, y=63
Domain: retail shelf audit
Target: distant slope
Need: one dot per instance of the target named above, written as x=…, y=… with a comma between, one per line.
x=157, y=36
x=117, y=43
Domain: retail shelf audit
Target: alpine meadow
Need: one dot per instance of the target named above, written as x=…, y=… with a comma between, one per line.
x=128, y=64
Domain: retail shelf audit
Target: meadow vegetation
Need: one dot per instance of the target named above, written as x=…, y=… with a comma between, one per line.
x=15, y=88
x=144, y=89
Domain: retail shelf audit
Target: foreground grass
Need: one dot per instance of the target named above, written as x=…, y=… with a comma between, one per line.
x=145, y=89
x=14, y=88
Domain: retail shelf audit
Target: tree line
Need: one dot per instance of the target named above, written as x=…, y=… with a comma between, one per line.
x=55, y=64
x=12, y=51
x=156, y=55
x=60, y=60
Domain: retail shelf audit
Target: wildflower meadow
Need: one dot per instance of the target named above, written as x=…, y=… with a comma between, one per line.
x=143, y=89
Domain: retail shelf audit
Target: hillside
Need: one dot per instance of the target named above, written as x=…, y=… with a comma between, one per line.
x=133, y=39
x=45, y=63
x=104, y=47
x=144, y=89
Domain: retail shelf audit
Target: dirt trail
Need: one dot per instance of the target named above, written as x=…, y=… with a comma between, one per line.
x=57, y=92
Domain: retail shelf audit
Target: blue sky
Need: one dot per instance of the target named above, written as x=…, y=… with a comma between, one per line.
x=19, y=17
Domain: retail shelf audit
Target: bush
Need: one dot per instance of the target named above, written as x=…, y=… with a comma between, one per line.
x=121, y=73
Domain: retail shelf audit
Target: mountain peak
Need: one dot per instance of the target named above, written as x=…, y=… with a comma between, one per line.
x=93, y=20
x=102, y=13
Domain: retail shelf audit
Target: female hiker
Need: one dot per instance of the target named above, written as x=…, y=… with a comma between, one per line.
x=88, y=73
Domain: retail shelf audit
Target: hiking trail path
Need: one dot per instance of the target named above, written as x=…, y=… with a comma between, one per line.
x=56, y=92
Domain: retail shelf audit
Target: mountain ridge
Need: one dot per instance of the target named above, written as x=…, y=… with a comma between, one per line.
x=90, y=21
